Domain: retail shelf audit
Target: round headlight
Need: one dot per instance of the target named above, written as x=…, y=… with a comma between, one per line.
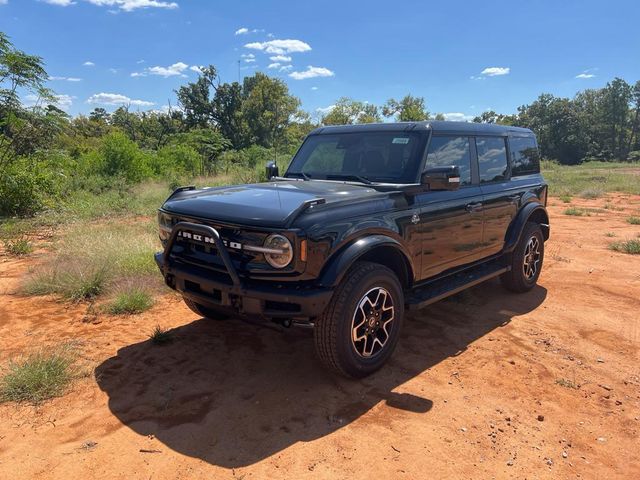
x=282, y=244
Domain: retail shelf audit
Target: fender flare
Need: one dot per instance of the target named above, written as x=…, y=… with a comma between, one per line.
x=339, y=263
x=533, y=209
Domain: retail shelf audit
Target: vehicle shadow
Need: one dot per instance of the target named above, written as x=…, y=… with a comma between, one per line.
x=233, y=393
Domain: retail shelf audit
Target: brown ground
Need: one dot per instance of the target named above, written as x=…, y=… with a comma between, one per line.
x=471, y=392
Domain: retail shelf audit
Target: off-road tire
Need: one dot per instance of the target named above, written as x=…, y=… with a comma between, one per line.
x=205, y=312
x=516, y=280
x=333, y=329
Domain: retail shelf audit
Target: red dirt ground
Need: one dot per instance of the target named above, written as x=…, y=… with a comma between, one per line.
x=481, y=385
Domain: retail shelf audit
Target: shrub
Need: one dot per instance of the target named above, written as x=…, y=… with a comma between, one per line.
x=18, y=246
x=627, y=246
x=120, y=156
x=176, y=160
x=37, y=377
x=577, y=212
x=132, y=301
x=160, y=336
x=634, y=220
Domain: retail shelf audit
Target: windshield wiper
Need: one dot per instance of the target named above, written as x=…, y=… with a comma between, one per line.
x=304, y=176
x=348, y=176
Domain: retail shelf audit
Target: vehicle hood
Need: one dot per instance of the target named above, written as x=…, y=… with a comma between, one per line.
x=271, y=204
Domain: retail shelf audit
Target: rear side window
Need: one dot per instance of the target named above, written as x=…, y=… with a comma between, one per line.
x=525, y=158
x=492, y=159
x=445, y=151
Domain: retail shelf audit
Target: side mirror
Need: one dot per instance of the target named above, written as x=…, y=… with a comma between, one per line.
x=272, y=170
x=441, y=178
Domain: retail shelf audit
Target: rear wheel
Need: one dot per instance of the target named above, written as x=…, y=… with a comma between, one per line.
x=360, y=328
x=526, y=262
x=205, y=312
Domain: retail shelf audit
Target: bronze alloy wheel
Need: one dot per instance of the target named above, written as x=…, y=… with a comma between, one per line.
x=371, y=322
x=531, y=258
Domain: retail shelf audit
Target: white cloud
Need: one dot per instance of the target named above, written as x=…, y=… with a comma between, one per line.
x=495, y=71
x=248, y=55
x=116, y=99
x=196, y=68
x=280, y=47
x=61, y=101
x=312, y=72
x=325, y=110
x=66, y=79
x=171, y=71
x=64, y=101
x=60, y=3
x=130, y=5
x=314, y=88
x=457, y=117
x=274, y=65
x=140, y=61
x=280, y=58
x=113, y=70
x=585, y=75
x=242, y=31
x=88, y=64
x=285, y=68
x=138, y=74
x=4, y=2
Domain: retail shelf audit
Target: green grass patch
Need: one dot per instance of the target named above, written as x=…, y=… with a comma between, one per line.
x=38, y=376
x=566, y=383
x=590, y=179
x=565, y=198
x=131, y=302
x=576, y=212
x=627, y=246
x=91, y=259
x=633, y=220
x=18, y=246
x=610, y=234
x=161, y=336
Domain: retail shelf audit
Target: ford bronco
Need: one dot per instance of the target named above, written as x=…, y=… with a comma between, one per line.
x=367, y=221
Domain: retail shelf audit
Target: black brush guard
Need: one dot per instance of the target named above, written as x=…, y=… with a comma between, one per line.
x=232, y=292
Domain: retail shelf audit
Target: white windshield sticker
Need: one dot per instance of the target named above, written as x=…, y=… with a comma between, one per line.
x=401, y=140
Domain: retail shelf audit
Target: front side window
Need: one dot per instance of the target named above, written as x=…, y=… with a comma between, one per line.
x=492, y=159
x=384, y=157
x=524, y=156
x=451, y=150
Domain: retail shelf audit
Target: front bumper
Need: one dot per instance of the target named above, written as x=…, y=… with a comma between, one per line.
x=233, y=293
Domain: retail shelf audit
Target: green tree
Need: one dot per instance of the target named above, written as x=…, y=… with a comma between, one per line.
x=21, y=130
x=408, y=109
x=267, y=108
x=347, y=111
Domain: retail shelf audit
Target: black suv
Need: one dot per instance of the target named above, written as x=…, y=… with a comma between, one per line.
x=367, y=220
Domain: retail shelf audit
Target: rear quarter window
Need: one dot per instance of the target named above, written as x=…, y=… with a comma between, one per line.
x=525, y=158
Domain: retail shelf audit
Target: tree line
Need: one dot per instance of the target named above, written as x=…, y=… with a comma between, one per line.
x=233, y=128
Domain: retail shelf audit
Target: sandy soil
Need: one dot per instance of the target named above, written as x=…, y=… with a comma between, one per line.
x=471, y=392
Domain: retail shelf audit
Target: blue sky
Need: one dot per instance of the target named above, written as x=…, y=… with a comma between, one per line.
x=463, y=57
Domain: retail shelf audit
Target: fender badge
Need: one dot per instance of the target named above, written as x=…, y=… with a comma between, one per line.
x=415, y=218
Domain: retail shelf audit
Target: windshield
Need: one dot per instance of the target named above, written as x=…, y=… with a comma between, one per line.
x=384, y=157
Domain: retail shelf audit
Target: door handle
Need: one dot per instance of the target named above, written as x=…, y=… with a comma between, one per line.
x=514, y=198
x=473, y=207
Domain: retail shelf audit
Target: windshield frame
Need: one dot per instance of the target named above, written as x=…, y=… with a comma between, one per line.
x=418, y=161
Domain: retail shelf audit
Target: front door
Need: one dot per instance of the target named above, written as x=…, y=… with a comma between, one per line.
x=450, y=222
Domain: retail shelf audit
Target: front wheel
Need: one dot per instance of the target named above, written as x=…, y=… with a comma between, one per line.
x=526, y=262
x=360, y=328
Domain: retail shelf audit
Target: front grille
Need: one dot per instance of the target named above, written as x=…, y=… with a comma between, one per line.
x=206, y=254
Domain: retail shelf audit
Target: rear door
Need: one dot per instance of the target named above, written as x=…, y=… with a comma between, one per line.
x=500, y=198
x=450, y=222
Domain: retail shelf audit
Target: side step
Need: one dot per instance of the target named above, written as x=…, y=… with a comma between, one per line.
x=443, y=287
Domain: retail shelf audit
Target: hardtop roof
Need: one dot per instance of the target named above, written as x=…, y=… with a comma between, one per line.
x=436, y=126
